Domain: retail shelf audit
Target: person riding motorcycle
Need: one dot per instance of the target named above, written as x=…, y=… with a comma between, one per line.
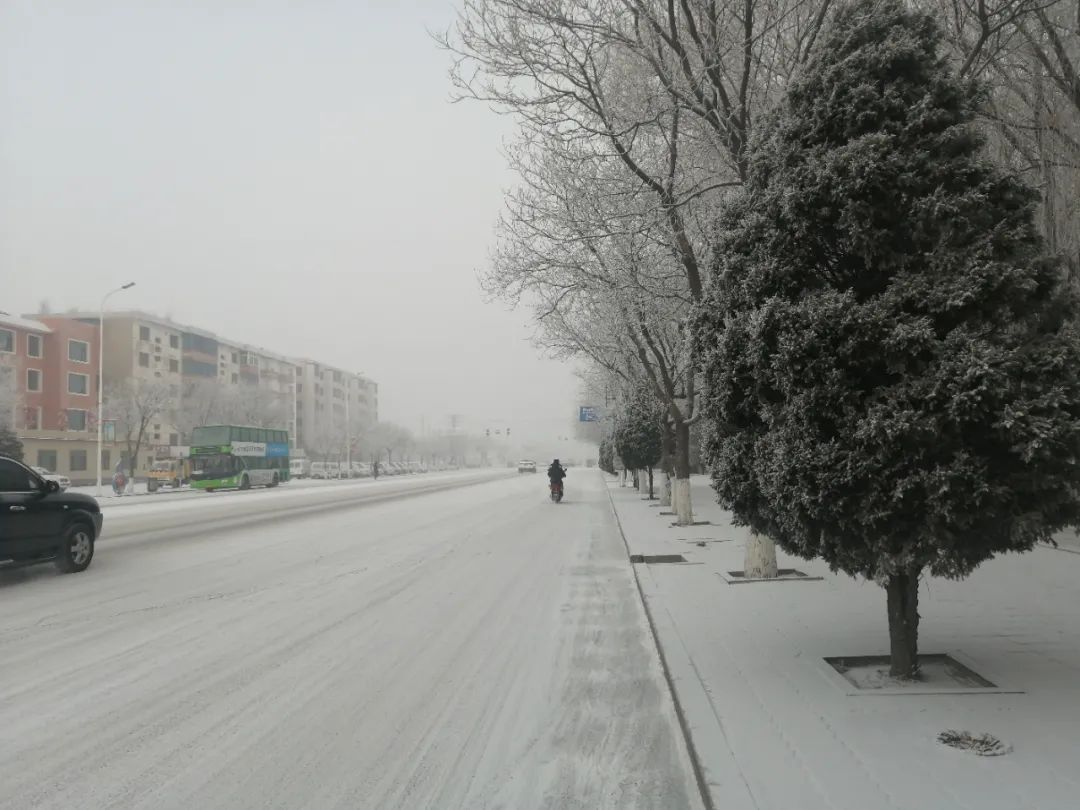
x=556, y=473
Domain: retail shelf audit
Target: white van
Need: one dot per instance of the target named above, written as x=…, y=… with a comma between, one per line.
x=299, y=468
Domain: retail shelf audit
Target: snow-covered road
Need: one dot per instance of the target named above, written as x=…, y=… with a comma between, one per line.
x=474, y=647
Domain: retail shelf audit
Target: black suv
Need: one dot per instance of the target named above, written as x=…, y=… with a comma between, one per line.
x=39, y=523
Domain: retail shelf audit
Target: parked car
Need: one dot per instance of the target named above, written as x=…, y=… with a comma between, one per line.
x=361, y=469
x=39, y=522
x=328, y=469
x=526, y=466
x=299, y=468
x=62, y=480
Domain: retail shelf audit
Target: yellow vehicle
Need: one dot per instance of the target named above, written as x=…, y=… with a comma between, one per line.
x=170, y=472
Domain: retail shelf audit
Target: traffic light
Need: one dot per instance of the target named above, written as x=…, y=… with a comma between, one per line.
x=508, y=431
x=488, y=432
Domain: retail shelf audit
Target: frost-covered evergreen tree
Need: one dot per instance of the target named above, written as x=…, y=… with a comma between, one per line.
x=10, y=445
x=891, y=358
x=607, y=455
x=638, y=434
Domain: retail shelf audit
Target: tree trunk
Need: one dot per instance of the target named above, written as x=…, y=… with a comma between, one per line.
x=903, y=602
x=667, y=462
x=643, y=482
x=681, y=492
x=759, y=560
x=651, y=496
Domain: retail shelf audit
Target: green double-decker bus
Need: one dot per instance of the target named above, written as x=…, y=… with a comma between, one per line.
x=236, y=457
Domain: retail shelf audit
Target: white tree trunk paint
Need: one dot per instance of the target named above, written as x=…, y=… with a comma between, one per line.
x=681, y=495
x=643, y=482
x=759, y=561
x=665, y=490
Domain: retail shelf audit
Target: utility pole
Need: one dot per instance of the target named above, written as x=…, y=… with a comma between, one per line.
x=348, y=428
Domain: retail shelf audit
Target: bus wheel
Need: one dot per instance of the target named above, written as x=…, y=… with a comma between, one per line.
x=245, y=483
x=274, y=482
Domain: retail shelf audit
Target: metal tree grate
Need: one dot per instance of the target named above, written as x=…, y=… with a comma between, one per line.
x=652, y=559
x=985, y=745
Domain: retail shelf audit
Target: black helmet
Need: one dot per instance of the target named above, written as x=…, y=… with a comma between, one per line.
x=556, y=461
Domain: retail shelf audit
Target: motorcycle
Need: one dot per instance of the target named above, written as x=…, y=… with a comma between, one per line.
x=556, y=491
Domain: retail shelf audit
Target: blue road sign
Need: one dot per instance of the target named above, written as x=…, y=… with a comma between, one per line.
x=587, y=413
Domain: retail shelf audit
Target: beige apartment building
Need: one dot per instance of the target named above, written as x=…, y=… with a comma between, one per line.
x=333, y=406
x=310, y=399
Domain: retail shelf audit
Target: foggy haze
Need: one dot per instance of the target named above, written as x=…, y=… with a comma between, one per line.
x=292, y=177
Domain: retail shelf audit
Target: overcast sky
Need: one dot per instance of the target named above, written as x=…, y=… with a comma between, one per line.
x=285, y=174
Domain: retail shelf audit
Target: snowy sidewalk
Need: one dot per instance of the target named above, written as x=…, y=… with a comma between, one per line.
x=774, y=730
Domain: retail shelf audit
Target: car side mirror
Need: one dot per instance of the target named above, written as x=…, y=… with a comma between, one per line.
x=51, y=487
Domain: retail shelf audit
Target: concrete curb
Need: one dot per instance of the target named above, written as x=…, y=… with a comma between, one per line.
x=679, y=667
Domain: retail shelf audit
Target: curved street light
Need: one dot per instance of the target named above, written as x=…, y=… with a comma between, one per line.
x=101, y=373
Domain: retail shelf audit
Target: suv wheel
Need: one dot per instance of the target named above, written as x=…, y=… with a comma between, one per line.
x=77, y=549
x=245, y=483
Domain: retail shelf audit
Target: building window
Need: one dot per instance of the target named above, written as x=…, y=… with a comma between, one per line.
x=235, y=378
x=197, y=368
x=7, y=341
x=174, y=342
x=174, y=439
x=78, y=351
x=46, y=459
x=106, y=459
x=33, y=345
x=174, y=366
x=33, y=418
x=78, y=383
x=78, y=461
x=157, y=339
x=234, y=357
x=157, y=437
x=33, y=379
x=144, y=333
x=76, y=419
x=144, y=359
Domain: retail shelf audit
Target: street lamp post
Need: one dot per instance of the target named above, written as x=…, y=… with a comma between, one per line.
x=295, y=408
x=101, y=373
